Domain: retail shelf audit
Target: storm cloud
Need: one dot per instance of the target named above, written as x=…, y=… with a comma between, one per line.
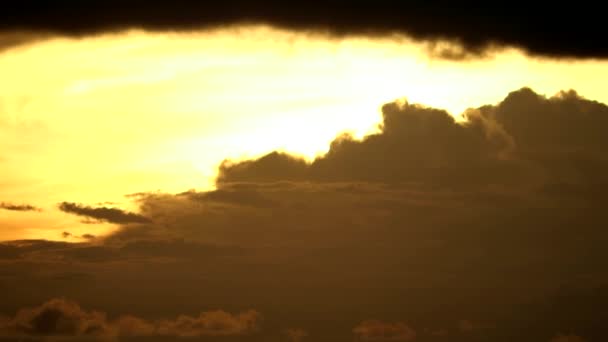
x=561, y=31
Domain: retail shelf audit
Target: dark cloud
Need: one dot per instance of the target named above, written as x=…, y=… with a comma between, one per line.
x=59, y=317
x=526, y=139
x=112, y=215
x=563, y=31
x=18, y=207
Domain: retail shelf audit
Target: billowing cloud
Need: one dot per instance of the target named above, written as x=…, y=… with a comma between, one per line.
x=60, y=317
x=18, y=207
x=526, y=139
x=112, y=215
x=539, y=31
x=374, y=330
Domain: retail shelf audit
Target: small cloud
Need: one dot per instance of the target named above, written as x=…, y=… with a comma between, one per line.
x=374, y=330
x=18, y=207
x=88, y=236
x=111, y=215
x=66, y=235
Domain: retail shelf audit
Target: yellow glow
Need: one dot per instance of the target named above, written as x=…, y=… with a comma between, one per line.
x=93, y=119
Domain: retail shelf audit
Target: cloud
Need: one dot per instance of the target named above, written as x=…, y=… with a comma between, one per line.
x=211, y=323
x=539, y=31
x=60, y=317
x=374, y=330
x=525, y=139
x=111, y=215
x=18, y=207
x=57, y=317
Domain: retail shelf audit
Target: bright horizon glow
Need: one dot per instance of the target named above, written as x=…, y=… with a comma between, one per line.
x=90, y=120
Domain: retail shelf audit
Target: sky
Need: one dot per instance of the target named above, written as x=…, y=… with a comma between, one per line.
x=196, y=172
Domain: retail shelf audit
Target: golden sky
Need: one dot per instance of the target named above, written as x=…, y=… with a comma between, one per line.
x=90, y=120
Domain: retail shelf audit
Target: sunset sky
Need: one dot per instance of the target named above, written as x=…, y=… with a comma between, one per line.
x=300, y=175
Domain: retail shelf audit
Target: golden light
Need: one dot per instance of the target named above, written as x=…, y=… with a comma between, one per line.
x=90, y=120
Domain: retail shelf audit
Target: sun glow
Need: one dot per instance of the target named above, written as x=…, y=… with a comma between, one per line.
x=90, y=120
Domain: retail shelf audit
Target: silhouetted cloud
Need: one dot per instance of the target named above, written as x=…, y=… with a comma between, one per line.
x=525, y=139
x=63, y=318
x=565, y=31
x=18, y=207
x=374, y=330
x=112, y=215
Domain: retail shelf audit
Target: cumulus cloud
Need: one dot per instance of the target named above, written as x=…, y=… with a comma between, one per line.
x=374, y=330
x=540, y=31
x=18, y=207
x=526, y=139
x=111, y=215
x=60, y=317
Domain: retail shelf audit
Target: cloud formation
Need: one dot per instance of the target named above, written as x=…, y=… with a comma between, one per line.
x=525, y=139
x=111, y=215
x=540, y=31
x=18, y=207
x=63, y=318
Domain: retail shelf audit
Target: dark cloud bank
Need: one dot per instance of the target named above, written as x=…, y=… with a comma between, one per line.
x=574, y=30
x=493, y=229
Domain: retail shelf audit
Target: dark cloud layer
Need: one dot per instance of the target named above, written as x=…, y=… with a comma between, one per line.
x=563, y=31
x=112, y=215
x=18, y=207
x=491, y=229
